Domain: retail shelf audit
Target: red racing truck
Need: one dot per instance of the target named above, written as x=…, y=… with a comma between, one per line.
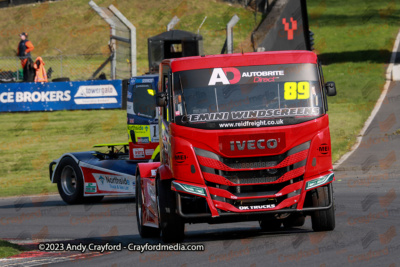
x=243, y=137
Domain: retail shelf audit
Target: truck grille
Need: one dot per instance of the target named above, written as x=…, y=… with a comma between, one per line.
x=253, y=179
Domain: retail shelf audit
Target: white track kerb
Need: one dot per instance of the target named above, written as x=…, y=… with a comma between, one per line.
x=377, y=105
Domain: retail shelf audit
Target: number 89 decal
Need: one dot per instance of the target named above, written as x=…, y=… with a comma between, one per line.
x=294, y=90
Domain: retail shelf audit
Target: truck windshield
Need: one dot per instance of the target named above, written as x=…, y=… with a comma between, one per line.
x=253, y=96
x=144, y=104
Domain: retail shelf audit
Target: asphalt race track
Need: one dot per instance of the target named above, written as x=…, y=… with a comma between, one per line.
x=366, y=234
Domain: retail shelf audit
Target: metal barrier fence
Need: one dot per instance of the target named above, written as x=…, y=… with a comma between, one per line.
x=74, y=67
x=122, y=41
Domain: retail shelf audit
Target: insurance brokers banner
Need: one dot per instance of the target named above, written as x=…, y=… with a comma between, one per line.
x=95, y=94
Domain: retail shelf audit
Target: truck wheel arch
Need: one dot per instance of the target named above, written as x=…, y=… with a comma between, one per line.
x=71, y=188
x=145, y=169
x=55, y=171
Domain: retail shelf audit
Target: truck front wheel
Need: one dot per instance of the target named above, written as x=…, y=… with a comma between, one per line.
x=144, y=231
x=323, y=220
x=171, y=225
x=70, y=181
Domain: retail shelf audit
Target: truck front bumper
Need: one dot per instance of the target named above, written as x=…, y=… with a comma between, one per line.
x=222, y=211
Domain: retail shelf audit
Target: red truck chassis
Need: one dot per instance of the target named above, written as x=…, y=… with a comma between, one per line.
x=273, y=165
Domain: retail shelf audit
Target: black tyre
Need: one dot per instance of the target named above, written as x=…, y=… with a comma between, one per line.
x=144, y=231
x=70, y=181
x=270, y=225
x=323, y=220
x=172, y=226
x=294, y=220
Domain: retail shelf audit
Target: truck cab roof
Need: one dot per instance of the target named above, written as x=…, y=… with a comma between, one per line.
x=239, y=59
x=139, y=78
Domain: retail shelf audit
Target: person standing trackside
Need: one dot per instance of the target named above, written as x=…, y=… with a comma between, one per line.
x=24, y=49
x=41, y=75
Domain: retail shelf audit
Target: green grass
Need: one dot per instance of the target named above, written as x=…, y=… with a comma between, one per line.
x=29, y=141
x=354, y=40
x=8, y=249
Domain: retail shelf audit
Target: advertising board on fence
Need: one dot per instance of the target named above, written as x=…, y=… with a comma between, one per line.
x=96, y=94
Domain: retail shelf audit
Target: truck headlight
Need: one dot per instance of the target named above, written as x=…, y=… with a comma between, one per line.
x=319, y=181
x=195, y=190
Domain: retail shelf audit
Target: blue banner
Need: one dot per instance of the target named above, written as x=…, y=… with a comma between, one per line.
x=95, y=94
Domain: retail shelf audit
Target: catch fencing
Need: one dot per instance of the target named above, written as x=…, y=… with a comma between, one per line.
x=74, y=67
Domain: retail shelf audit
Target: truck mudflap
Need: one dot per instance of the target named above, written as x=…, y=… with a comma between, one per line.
x=222, y=209
x=149, y=205
x=51, y=168
x=147, y=187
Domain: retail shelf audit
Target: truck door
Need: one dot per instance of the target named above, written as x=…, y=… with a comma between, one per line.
x=166, y=116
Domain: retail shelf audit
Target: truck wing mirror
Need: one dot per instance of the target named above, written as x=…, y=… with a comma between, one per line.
x=330, y=88
x=161, y=99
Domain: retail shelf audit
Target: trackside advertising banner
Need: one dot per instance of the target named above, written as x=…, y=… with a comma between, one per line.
x=96, y=94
